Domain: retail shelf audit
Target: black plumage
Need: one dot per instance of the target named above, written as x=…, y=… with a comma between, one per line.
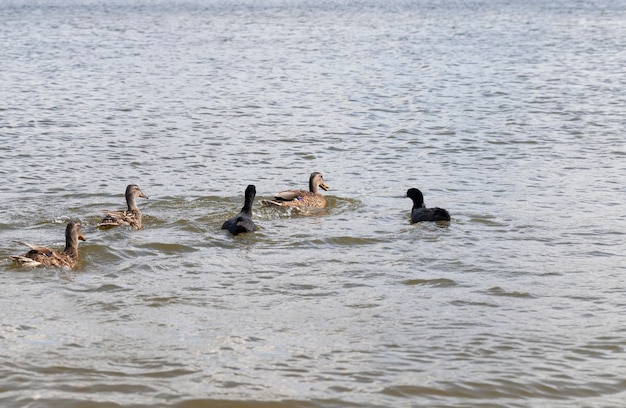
x=420, y=213
x=242, y=222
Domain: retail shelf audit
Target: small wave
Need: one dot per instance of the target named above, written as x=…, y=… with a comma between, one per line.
x=103, y=288
x=438, y=283
x=498, y=291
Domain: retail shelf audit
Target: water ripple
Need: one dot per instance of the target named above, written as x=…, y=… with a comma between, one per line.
x=508, y=114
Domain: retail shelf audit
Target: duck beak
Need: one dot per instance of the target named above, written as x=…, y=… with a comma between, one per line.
x=324, y=186
x=142, y=195
x=80, y=236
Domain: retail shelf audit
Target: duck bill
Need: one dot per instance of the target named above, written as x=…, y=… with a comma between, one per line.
x=80, y=236
x=142, y=195
x=324, y=186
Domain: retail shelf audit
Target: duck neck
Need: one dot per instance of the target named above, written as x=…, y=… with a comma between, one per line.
x=132, y=204
x=247, y=206
x=71, y=245
x=313, y=188
x=418, y=204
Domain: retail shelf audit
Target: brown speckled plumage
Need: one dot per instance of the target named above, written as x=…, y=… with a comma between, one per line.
x=132, y=216
x=302, y=198
x=42, y=256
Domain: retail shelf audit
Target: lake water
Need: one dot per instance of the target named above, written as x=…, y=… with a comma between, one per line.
x=509, y=114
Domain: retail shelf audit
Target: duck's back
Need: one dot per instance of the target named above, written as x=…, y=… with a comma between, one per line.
x=429, y=214
x=298, y=198
x=245, y=224
x=238, y=224
x=51, y=258
x=115, y=218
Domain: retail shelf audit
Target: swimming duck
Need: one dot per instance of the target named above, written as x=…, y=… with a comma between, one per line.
x=420, y=212
x=43, y=256
x=242, y=222
x=132, y=216
x=302, y=198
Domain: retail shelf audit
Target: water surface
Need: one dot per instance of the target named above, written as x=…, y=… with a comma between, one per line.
x=508, y=114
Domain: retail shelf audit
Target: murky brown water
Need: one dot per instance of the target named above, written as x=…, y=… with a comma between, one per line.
x=511, y=116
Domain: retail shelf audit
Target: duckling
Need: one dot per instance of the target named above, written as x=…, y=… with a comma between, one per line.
x=132, y=216
x=42, y=256
x=242, y=222
x=420, y=212
x=302, y=198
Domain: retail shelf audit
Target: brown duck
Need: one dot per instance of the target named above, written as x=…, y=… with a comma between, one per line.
x=42, y=256
x=302, y=198
x=132, y=216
